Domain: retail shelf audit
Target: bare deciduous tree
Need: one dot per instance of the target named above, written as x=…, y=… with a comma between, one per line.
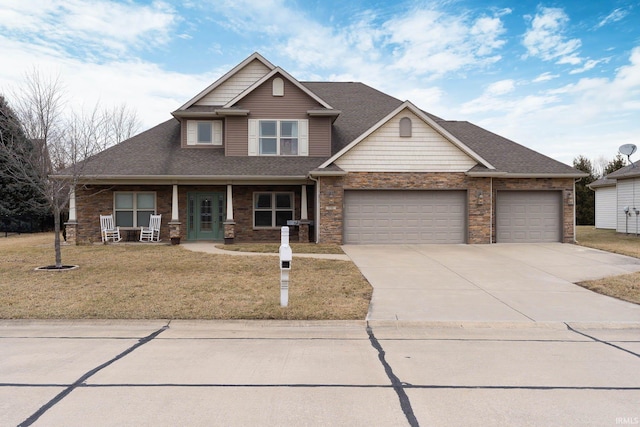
x=65, y=139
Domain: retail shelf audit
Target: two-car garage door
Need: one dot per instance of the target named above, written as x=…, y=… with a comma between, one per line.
x=375, y=217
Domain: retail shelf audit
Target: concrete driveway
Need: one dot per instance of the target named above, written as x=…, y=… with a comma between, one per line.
x=491, y=283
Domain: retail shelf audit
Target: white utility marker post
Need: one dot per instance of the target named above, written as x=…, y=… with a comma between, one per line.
x=285, y=266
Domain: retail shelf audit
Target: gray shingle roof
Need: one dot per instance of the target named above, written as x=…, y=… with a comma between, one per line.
x=629, y=171
x=504, y=154
x=157, y=152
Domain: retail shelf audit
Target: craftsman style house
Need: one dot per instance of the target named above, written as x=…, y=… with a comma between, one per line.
x=337, y=162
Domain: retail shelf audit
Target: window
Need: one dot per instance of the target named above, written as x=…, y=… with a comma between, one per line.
x=134, y=209
x=204, y=132
x=405, y=127
x=272, y=209
x=278, y=137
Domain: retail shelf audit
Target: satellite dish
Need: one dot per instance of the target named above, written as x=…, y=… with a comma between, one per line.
x=627, y=149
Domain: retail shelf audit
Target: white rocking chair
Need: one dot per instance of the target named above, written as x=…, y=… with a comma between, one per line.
x=108, y=230
x=152, y=232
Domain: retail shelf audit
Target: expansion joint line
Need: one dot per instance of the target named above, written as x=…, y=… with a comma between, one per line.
x=601, y=341
x=397, y=385
x=80, y=381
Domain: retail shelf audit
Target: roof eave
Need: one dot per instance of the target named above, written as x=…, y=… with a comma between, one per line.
x=187, y=179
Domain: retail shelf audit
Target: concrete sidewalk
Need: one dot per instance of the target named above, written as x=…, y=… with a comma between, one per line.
x=202, y=373
x=492, y=283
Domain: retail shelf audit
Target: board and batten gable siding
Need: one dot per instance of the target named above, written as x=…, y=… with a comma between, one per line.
x=424, y=151
x=606, y=206
x=628, y=195
x=292, y=106
x=236, y=84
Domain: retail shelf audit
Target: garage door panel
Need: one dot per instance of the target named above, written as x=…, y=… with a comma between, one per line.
x=405, y=217
x=529, y=216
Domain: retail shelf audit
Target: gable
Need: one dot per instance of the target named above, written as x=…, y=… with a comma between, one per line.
x=426, y=150
x=236, y=84
x=293, y=104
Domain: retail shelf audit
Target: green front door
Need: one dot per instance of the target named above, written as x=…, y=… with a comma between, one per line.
x=205, y=216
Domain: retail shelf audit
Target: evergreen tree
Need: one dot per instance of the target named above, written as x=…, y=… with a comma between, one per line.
x=18, y=197
x=618, y=162
x=585, y=197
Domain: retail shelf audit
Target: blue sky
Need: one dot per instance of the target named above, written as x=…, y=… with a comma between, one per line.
x=561, y=77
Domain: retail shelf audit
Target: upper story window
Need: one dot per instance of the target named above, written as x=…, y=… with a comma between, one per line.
x=405, y=126
x=204, y=132
x=278, y=138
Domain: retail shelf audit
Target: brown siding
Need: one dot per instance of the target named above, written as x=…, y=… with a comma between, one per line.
x=236, y=136
x=293, y=105
x=319, y=136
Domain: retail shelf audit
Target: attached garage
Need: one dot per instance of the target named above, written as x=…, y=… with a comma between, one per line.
x=528, y=216
x=393, y=217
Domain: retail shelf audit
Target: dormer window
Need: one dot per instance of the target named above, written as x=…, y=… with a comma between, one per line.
x=278, y=87
x=405, y=127
x=278, y=137
x=204, y=132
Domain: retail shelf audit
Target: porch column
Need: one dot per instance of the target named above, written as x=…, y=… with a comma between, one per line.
x=174, y=224
x=303, y=230
x=71, y=226
x=229, y=223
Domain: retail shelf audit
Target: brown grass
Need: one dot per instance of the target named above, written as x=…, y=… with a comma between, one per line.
x=144, y=281
x=625, y=287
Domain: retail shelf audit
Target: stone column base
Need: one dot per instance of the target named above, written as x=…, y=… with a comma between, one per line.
x=72, y=232
x=229, y=232
x=174, y=232
x=303, y=232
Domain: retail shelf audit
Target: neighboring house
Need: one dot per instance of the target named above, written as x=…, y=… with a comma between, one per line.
x=618, y=199
x=339, y=162
x=606, y=202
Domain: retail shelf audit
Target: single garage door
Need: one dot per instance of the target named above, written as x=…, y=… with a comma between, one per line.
x=529, y=216
x=381, y=217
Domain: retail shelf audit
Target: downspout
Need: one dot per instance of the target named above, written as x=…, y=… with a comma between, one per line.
x=316, y=214
x=491, y=211
x=574, y=210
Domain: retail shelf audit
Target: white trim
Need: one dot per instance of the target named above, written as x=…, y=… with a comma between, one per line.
x=284, y=74
x=415, y=110
x=175, y=216
x=226, y=77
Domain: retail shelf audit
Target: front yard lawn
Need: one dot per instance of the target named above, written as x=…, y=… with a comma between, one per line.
x=145, y=281
x=625, y=287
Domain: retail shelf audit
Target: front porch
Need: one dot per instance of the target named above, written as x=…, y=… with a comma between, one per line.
x=215, y=213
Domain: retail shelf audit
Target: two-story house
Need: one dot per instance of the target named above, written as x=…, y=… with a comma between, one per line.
x=339, y=162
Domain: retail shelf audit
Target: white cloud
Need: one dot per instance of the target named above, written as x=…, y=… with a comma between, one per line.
x=588, y=65
x=545, y=38
x=544, y=77
x=95, y=28
x=615, y=16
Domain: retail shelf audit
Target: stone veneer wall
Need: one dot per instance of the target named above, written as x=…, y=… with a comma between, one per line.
x=95, y=200
x=560, y=184
x=332, y=198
